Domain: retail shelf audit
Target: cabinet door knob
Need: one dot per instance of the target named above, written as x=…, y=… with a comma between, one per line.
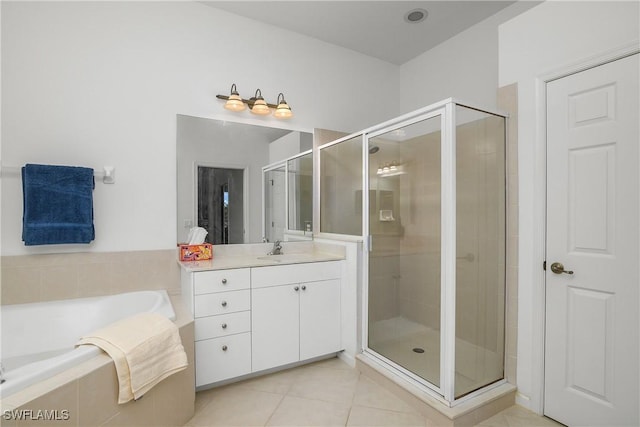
x=296, y=288
x=224, y=326
x=304, y=288
x=224, y=281
x=224, y=348
x=224, y=303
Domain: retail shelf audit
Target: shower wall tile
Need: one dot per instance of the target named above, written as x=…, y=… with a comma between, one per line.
x=34, y=278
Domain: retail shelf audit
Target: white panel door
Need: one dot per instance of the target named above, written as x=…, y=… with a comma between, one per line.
x=591, y=349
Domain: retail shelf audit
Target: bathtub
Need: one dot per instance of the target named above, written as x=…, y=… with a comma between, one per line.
x=38, y=339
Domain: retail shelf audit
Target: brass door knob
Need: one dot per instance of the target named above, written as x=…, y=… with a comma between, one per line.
x=558, y=268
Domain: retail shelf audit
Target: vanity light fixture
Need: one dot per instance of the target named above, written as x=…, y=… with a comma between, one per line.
x=257, y=104
x=234, y=102
x=283, y=111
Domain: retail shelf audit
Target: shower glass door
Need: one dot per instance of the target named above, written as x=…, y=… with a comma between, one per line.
x=404, y=292
x=480, y=243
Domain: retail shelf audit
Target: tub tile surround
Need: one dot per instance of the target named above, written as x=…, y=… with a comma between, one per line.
x=89, y=392
x=46, y=277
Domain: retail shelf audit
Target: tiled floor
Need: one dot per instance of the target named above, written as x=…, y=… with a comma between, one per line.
x=325, y=393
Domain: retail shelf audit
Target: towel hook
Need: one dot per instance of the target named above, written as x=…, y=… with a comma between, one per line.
x=109, y=175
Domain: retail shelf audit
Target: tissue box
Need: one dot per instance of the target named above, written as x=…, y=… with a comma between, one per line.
x=201, y=252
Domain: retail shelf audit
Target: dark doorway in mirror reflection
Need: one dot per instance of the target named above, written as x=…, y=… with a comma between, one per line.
x=221, y=204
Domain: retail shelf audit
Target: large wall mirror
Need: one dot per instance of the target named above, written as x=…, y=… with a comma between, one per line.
x=219, y=175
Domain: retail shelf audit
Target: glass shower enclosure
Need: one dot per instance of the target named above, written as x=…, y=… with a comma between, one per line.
x=433, y=218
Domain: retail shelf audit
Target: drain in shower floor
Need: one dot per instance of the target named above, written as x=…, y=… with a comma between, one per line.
x=418, y=350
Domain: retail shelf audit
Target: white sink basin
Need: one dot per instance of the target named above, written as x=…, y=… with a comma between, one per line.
x=287, y=258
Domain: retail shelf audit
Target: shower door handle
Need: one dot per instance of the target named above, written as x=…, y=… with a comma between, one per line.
x=558, y=268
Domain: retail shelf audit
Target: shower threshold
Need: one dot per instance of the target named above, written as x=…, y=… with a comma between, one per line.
x=476, y=408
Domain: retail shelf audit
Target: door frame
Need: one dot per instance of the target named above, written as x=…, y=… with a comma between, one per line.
x=538, y=328
x=245, y=192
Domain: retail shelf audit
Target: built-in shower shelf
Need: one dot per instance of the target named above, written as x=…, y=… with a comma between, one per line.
x=467, y=413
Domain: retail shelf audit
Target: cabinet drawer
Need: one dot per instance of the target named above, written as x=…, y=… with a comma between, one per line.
x=222, y=303
x=224, y=324
x=206, y=282
x=295, y=273
x=222, y=358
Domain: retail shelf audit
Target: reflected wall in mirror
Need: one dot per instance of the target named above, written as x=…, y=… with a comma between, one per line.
x=219, y=144
x=300, y=193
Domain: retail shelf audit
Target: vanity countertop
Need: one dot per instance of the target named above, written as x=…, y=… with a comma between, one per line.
x=244, y=256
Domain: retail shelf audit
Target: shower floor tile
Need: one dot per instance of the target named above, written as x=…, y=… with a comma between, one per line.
x=398, y=338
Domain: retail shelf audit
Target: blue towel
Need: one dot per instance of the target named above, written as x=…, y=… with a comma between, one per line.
x=58, y=205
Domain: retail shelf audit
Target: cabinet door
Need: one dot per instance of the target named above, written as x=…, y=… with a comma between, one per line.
x=222, y=358
x=319, y=318
x=274, y=326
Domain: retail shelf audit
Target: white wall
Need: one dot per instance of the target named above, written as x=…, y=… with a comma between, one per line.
x=464, y=67
x=546, y=39
x=285, y=147
x=100, y=83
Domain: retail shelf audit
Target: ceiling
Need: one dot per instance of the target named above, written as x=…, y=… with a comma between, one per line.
x=374, y=28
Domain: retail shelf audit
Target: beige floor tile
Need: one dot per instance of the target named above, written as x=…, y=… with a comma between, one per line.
x=316, y=371
x=236, y=407
x=296, y=411
x=329, y=385
x=279, y=382
x=332, y=363
x=517, y=416
x=363, y=416
x=372, y=395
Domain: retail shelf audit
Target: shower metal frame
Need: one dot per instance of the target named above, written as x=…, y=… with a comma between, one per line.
x=445, y=393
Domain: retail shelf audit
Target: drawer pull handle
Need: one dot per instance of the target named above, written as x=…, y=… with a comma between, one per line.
x=224, y=326
x=224, y=303
x=304, y=288
x=296, y=288
x=224, y=281
x=224, y=348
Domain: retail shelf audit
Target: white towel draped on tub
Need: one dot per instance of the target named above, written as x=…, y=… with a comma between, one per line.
x=145, y=348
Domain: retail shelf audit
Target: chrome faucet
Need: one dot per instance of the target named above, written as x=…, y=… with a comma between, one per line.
x=277, y=248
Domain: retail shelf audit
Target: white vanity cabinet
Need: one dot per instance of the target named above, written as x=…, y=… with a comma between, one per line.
x=295, y=311
x=257, y=318
x=220, y=301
